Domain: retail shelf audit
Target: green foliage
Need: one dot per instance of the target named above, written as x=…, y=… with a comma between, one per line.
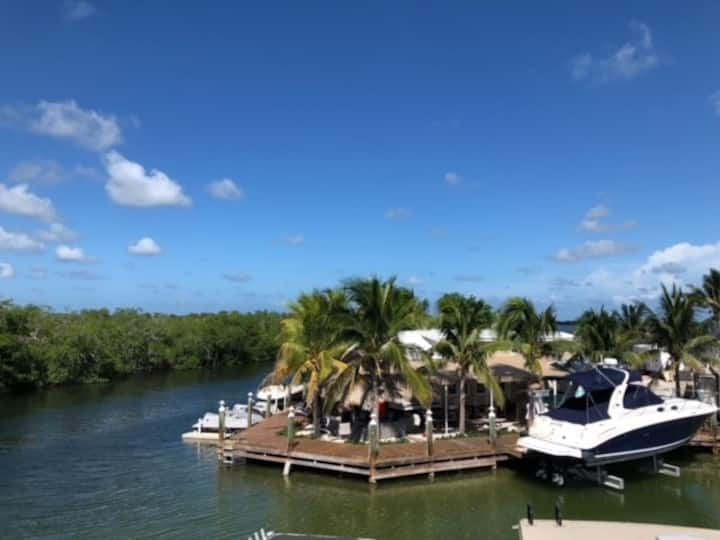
x=526, y=329
x=675, y=328
x=462, y=320
x=379, y=311
x=312, y=347
x=708, y=295
x=602, y=334
x=39, y=347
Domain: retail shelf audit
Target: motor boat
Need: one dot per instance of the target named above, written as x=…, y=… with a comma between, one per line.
x=270, y=400
x=236, y=418
x=608, y=415
x=279, y=394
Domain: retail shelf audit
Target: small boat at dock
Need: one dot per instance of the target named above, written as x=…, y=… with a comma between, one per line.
x=269, y=400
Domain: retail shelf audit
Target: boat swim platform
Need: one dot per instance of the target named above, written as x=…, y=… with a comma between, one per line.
x=204, y=437
x=265, y=442
x=542, y=529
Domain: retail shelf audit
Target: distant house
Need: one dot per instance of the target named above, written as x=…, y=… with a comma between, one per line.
x=508, y=368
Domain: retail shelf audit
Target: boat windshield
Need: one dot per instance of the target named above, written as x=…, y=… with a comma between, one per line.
x=582, y=407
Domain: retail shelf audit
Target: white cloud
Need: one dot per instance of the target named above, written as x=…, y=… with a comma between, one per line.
x=20, y=201
x=129, y=184
x=66, y=120
x=46, y=172
x=594, y=221
x=11, y=241
x=683, y=264
x=681, y=258
x=398, y=214
x=41, y=171
x=226, y=189
x=77, y=10
x=295, y=240
x=6, y=271
x=453, y=178
x=145, y=246
x=714, y=100
x=240, y=277
x=593, y=250
x=57, y=232
x=66, y=253
x=631, y=60
x=415, y=281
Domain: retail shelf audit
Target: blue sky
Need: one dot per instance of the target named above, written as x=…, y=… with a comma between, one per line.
x=180, y=156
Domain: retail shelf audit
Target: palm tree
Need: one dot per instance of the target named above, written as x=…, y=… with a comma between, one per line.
x=462, y=319
x=675, y=328
x=708, y=295
x=311, y=351
x=603, y=334
x=598, y=334
x=380, y=310
x=632, y=319
x=527, y=330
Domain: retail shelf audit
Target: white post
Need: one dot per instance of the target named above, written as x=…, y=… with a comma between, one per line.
x=429, y=431
x=445, y=389
x=491, y=417
x=373, y=435
x=291, y=427
x=249, y=409
x=221, y=421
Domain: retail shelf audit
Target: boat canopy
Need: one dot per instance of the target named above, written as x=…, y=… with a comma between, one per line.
x=602, y=378
x=590, y=391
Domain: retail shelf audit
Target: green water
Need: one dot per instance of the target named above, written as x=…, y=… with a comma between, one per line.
x=107, y=462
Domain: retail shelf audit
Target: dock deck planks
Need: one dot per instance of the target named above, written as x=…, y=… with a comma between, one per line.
x=265, y=442
x=601, y=530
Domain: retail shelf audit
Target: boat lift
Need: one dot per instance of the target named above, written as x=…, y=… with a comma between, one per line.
x=599, y=473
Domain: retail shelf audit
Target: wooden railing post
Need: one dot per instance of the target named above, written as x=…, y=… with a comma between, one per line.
x=221, y=421
x=221, y=431
x=250, y=409
x=291, y=428
x=492, y=420
x=429, y=432
x=373, y=436
x=373, y=444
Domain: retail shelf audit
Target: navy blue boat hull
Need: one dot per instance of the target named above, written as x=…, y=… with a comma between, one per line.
x=645, y=442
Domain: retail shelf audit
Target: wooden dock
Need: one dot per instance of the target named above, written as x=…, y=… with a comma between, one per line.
x=602, y=530
x=266, y=442
x=707, y=438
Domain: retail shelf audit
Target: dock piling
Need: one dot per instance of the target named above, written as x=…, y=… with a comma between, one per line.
x=492, y=419
x=429, y=431
x=291, y=428
x=249, y=409
x=221, y=421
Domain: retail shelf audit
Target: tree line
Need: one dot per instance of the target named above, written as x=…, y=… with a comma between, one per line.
x=334, y=338
x=39, y=347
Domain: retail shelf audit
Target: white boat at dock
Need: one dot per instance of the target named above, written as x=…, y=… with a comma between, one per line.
x=268, y=400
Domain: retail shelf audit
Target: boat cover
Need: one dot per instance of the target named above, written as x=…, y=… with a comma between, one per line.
x=599, y=378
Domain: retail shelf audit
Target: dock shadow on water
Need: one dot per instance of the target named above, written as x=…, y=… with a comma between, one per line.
x=107, y=462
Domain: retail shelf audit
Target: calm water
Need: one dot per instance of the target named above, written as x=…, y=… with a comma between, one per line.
x=107, y=462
